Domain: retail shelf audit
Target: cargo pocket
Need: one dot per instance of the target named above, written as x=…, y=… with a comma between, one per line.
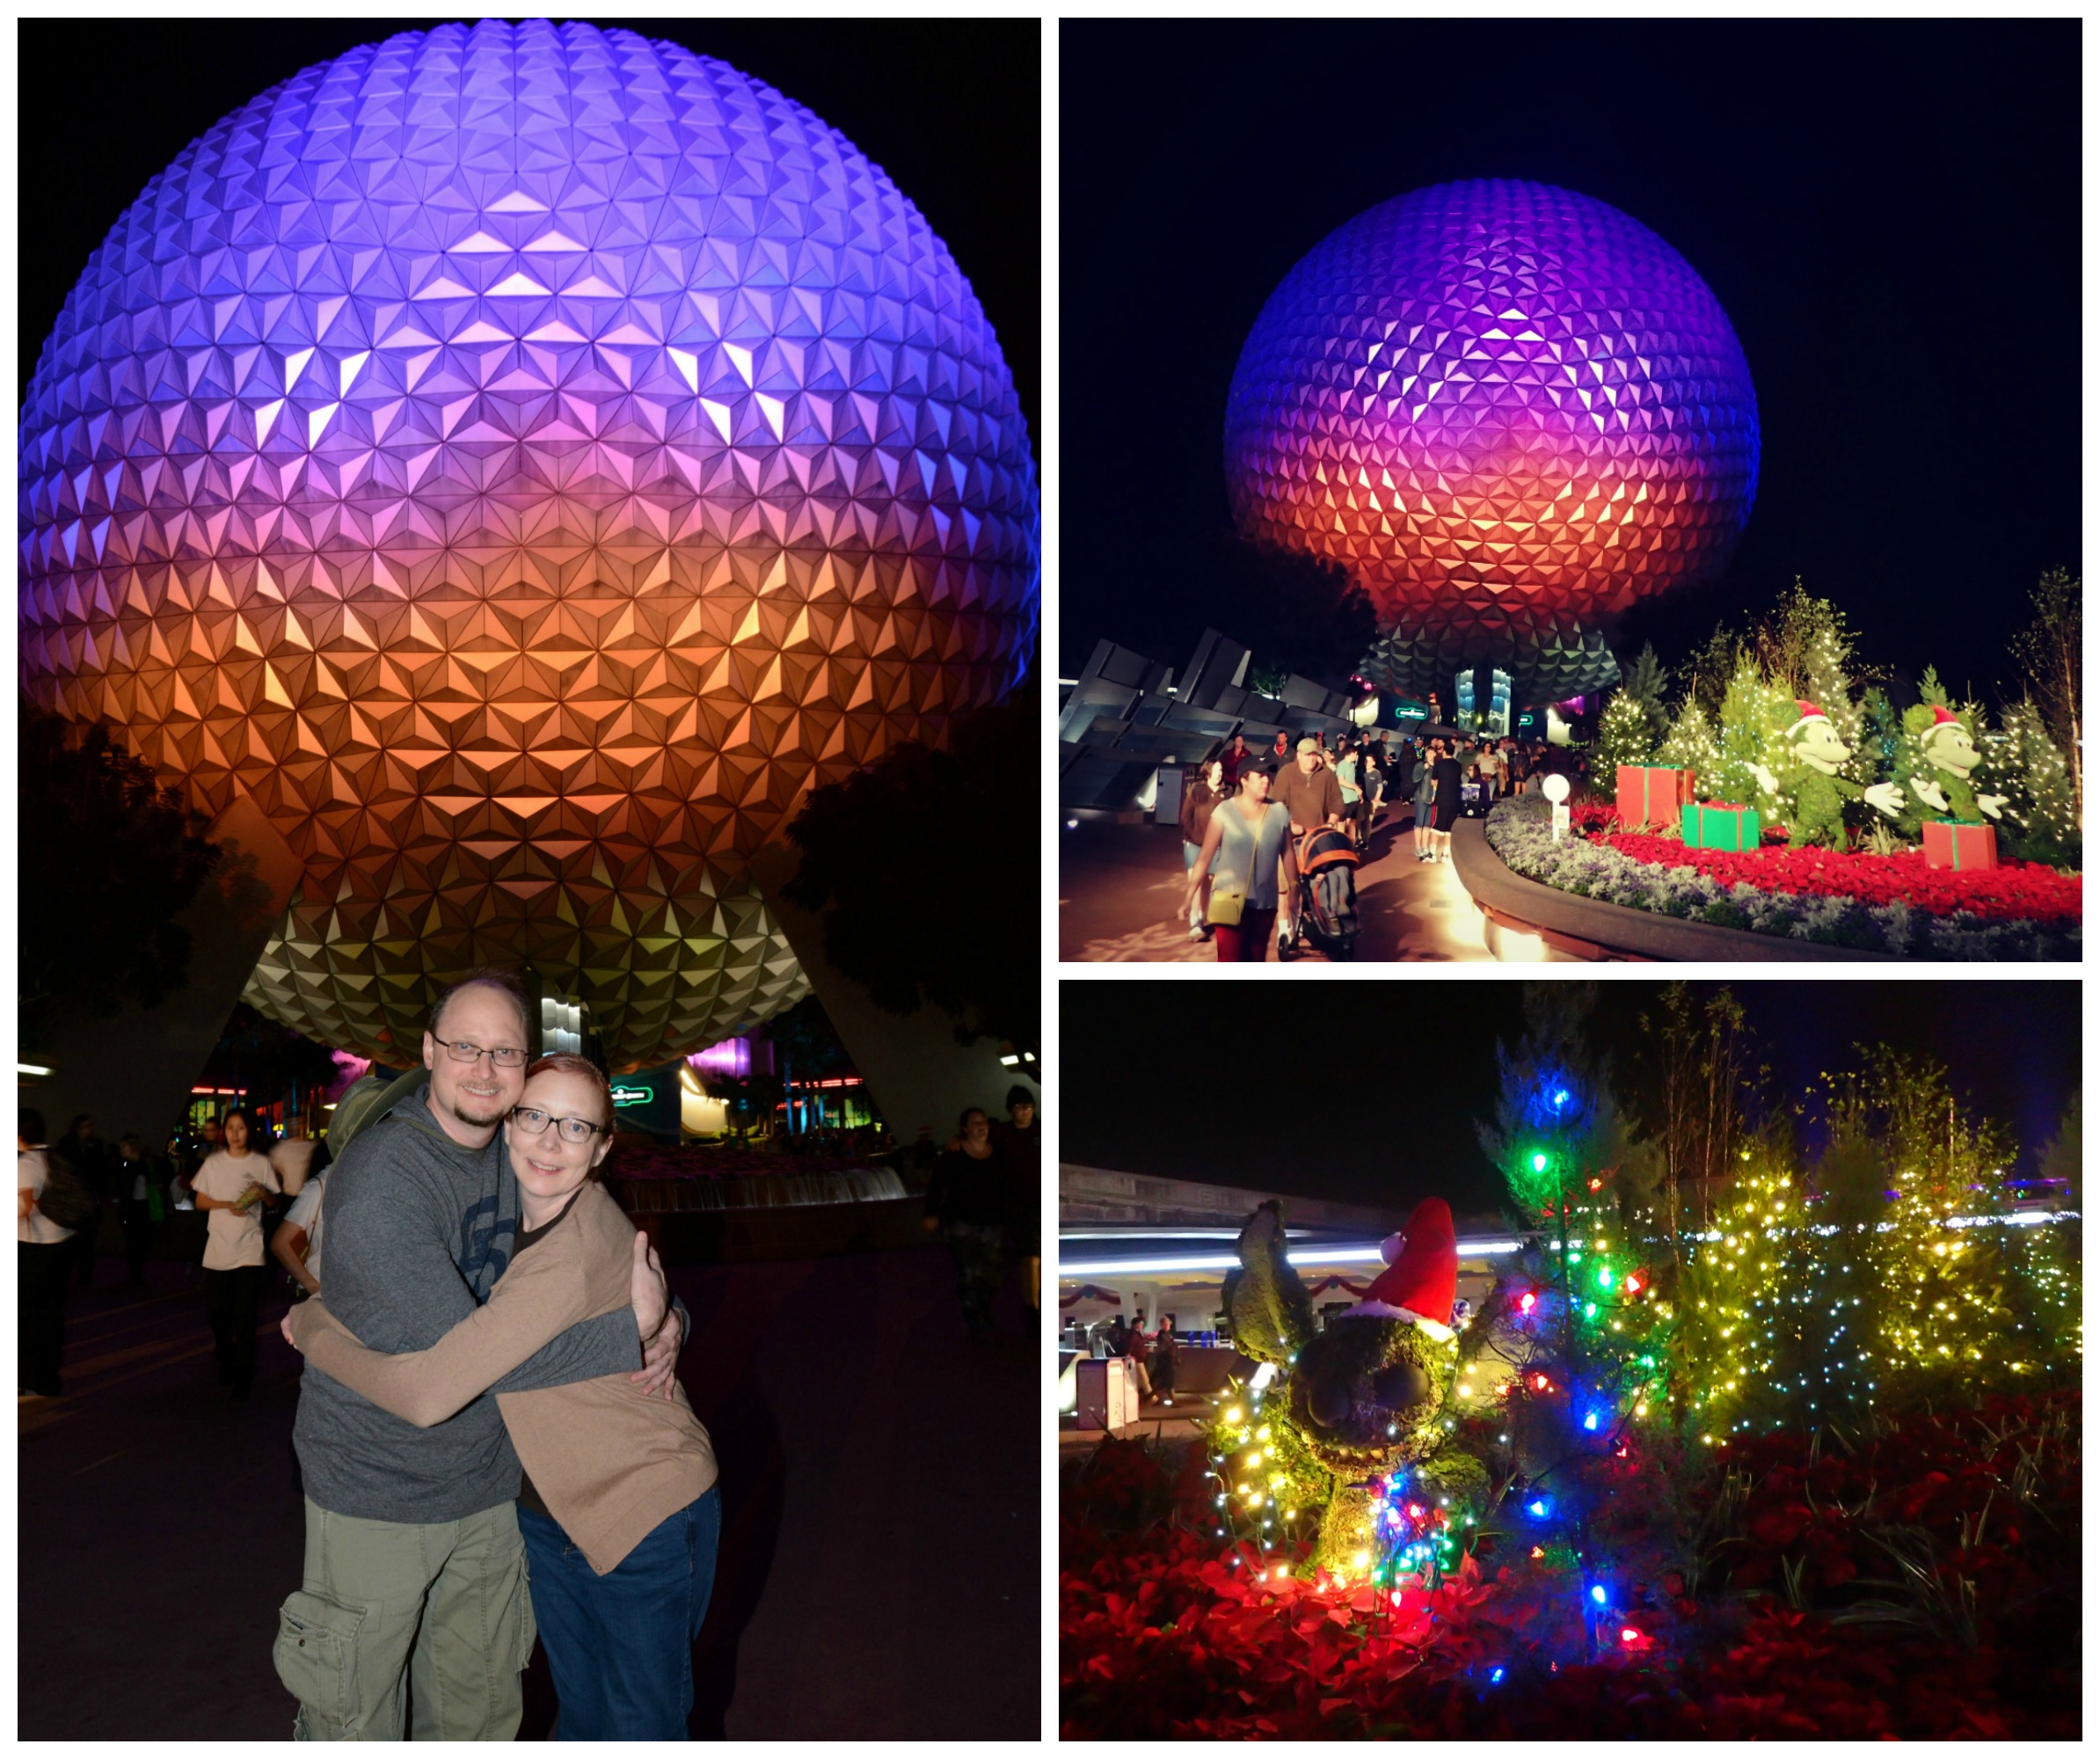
x=316, y=1656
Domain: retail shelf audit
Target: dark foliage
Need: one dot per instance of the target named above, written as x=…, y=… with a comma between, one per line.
x=108, y=859
x=926, y=862
x=1293, y=613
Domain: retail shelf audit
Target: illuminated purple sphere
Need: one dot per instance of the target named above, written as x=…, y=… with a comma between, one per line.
x=523, y=461
x=1510, y=412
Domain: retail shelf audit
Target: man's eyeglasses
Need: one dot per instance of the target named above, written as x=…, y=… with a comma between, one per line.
x=534, y=1123
x=504, y=1056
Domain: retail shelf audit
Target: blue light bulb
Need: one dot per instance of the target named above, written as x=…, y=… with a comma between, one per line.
x=1597, y=1594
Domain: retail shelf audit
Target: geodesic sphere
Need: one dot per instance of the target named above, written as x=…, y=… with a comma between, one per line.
x=1510, y=412
x=525, y=461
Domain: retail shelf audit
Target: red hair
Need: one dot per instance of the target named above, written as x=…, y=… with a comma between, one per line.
x=567, y=1062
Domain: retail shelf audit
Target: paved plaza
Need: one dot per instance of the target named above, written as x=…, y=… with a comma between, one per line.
x=1119, y=889
x=880, y=1554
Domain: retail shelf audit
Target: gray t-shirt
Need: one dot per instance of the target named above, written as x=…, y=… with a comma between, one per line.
x=419, y=1231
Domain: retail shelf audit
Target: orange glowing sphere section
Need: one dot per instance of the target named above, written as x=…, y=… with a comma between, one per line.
x=1509, y=412
x=524, y=462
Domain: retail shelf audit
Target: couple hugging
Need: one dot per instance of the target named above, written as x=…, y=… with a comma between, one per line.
x=490, y=1399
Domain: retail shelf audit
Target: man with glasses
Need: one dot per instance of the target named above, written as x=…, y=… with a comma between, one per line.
x=415, y=1573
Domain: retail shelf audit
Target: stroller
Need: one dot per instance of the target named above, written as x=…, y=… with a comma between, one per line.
x=1327, y=865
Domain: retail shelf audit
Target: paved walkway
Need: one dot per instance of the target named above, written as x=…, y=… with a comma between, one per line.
x=881, y=1549
x=1119, y=889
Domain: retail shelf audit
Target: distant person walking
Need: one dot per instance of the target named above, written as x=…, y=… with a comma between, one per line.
x=1166, y=1360
x=85, y=1153
x=43, y=1255
x=1246, y=847
x=231, y=1186
x=1445, y=782
x=1198, y=799
x=138, y=1204
x=968, y=1202
x=1020, y=1141
x=1422, y=779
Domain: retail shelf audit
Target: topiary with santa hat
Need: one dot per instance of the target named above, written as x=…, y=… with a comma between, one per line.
x=1810, y=789
x=1945, y=755
x=1373, y=1394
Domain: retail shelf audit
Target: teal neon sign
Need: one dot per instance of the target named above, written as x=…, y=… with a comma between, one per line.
x=624, y=1094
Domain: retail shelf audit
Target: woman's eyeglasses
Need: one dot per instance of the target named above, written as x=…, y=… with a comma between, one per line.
x=534, y=1123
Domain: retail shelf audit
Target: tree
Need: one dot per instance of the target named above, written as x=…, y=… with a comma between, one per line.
x=1691, y=744
x=1623, y=735
x=1296, y=613
x=925, y=864
x=1704, y=676
x=1700, y=1082
x=108, y=859
x=1582, y=1327
x=2050, y=651
x=1645, y=686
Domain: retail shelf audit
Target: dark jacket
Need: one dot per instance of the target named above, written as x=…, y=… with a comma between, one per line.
x=965, y=1189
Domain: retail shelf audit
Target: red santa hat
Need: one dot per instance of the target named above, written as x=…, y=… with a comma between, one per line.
x=1420, y=1280
x=1809, y=712
x=1941, y=722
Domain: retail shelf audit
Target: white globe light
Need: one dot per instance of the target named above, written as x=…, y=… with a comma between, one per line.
x=1556, y=789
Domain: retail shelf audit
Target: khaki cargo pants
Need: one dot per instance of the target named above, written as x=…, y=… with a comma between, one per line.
x=442, y=1611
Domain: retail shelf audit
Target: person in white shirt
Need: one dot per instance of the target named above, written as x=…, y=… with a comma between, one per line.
x=43, y=1255
x=297, y=1245
x=230, y=1186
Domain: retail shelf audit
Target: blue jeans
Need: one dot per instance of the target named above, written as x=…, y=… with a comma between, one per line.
x=621, y=1645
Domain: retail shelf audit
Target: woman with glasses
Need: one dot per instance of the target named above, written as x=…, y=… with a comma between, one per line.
x=618, y=1507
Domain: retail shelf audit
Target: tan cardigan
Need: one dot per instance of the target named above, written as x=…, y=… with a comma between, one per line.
x=609, y=1463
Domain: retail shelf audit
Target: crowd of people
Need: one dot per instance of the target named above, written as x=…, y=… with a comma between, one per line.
x=227, y=1167
x=1245, y=813
x=1154, y=1357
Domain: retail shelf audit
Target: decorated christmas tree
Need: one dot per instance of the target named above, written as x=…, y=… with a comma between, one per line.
x=2025, y=766
x=1691, y=744
x=1623, y=735
x=1754, y=716
x=1581, y=1328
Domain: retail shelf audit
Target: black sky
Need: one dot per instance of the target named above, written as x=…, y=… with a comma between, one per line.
x=1888, y=212
x=951, y=109
x=1368, y=1093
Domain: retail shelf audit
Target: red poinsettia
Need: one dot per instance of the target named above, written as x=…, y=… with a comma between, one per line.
x=2014, y=892
x=1168, y=1634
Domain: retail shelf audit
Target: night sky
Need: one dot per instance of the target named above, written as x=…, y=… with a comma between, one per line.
x=1888, y=212
x=1368, y=1093
x=952, y=110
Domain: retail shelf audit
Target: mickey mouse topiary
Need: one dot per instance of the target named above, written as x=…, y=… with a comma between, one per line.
x=1370, y=1396
x=1812, y=784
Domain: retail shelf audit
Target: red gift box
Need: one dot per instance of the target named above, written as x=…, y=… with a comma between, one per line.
x=1653, y=793
x=1967, y=848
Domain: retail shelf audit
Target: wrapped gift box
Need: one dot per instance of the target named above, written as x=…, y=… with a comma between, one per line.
x=1967, y=848
x=1715, y=826
x=1651, y=794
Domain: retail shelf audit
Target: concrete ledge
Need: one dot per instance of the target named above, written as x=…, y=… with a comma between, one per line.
x=1569, y=926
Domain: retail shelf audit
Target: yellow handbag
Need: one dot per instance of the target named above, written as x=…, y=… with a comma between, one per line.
x=1226, y=903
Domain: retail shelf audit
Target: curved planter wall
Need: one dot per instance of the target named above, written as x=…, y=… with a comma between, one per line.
x=1529, y=921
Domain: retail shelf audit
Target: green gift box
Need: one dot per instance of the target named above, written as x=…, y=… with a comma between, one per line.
x=1715, y=826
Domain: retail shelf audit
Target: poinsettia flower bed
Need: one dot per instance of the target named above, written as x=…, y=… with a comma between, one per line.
x=1877, y=903
x=1167, y=1632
